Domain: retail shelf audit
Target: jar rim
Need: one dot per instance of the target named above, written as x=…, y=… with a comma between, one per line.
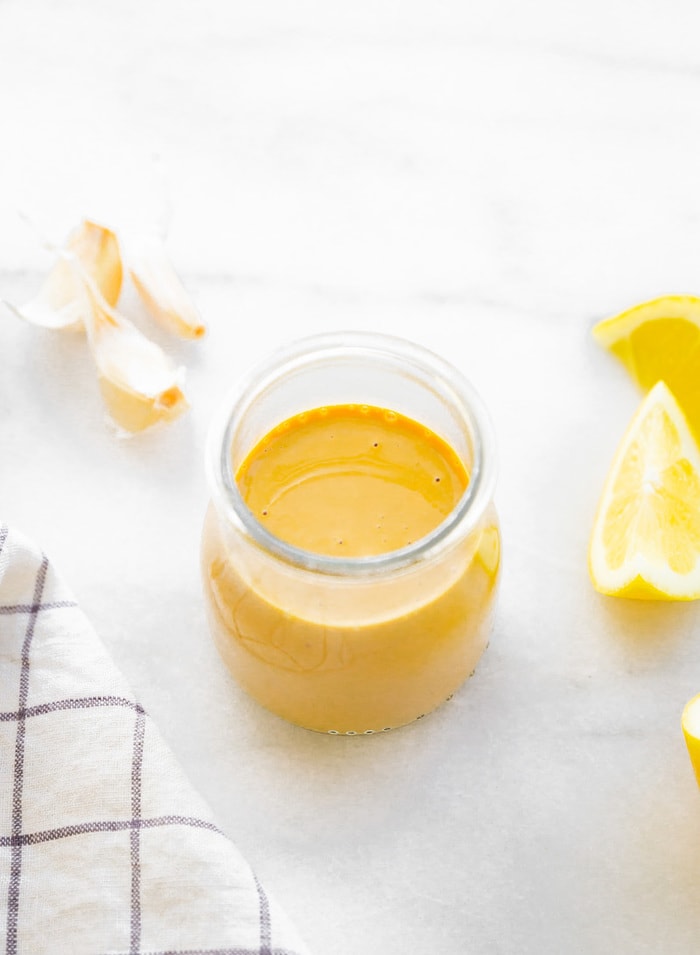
x=309, y=351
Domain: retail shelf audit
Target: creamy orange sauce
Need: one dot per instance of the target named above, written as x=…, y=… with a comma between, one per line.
x=351, y=480
x=354, y=655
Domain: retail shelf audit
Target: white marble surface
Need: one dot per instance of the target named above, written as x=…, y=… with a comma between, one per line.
x=487, y=179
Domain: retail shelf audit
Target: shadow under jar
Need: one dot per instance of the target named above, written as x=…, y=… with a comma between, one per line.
x=351, y=644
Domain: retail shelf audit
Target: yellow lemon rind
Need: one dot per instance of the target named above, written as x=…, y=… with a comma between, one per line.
x=609, y=331
x=690, y=723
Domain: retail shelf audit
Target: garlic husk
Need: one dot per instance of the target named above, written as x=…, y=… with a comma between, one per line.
x=60, y=303
x=159, y=286
x=139, y=383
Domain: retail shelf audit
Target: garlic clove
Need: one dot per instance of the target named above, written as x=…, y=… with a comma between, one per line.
x=159, y=287
x=133, y=412
x=60, y=303
x=139, y=383
x=97, y=250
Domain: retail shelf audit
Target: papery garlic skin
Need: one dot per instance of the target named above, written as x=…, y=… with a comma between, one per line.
x=56, y=305
x=159, y=286
x=60, y=303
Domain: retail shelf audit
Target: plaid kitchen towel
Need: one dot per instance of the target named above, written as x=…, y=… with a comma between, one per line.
x=104, y=847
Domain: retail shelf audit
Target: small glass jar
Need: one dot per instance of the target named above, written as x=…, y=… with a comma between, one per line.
x=353, y=645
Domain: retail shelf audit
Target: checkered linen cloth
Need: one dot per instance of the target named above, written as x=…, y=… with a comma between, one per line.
x=104, y=847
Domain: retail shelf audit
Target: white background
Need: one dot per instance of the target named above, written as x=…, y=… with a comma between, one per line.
x=488, y=179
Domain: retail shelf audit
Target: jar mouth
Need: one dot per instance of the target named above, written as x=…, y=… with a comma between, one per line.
x=341, y=346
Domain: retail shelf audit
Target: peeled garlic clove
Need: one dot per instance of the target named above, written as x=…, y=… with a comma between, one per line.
x=60, y=302
x=161, y=290
x=139, y=383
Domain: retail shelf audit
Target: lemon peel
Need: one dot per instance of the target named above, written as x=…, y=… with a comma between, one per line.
x=159, y=286
x=645, y=542
x=659, y=340
x=59, y=303
x=690, y=723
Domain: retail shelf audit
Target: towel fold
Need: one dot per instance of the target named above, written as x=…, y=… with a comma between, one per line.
x=105, y=849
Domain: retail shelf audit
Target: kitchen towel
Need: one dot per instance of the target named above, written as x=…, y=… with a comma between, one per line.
x=105, y=849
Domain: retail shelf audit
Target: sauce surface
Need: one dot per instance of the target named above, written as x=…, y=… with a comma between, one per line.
x=351, y=480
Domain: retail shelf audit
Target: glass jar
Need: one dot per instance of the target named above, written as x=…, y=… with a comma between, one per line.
x=351, y=645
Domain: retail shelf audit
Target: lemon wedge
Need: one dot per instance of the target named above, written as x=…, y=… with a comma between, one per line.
x=659, y=340
x=646, y=536
x=691, y=730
